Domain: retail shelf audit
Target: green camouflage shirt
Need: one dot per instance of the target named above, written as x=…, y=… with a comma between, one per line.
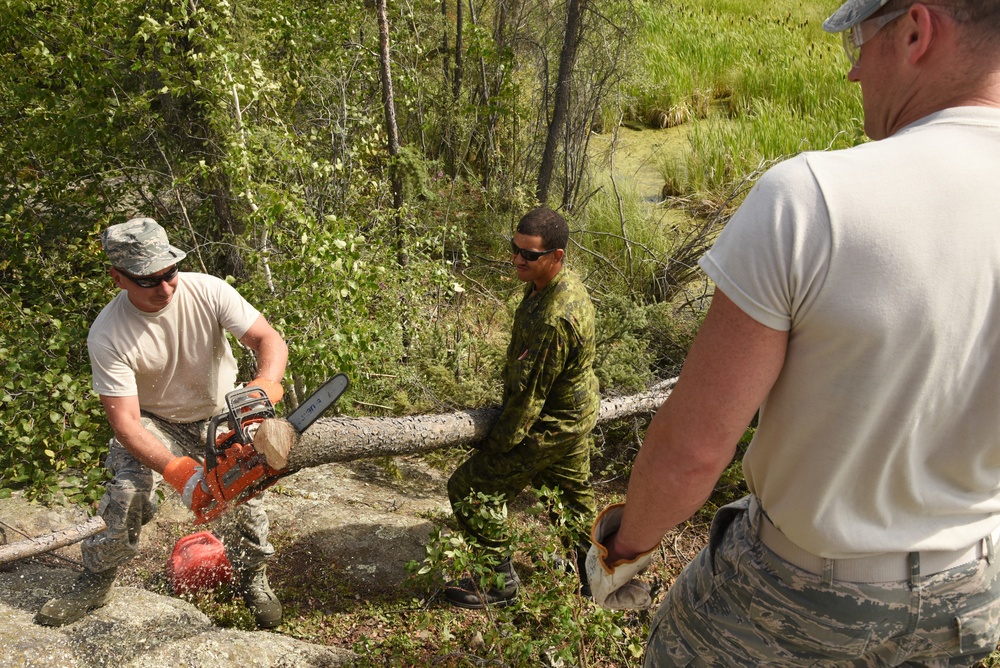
x=550, y=390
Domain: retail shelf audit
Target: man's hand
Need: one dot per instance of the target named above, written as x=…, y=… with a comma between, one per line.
x=187, y=476
x=613, y=585
x=272, y=390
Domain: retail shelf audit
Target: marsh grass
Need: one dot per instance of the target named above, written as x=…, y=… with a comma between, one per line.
x=613, y=245
x=751, y=84
x=758, y=81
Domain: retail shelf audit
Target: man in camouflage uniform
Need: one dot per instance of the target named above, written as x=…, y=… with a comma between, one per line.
x=856, y=308
x=162, y=366
x=551, y=400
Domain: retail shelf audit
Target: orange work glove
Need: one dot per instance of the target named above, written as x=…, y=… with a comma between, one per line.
x=273, y=390
x=187, y=476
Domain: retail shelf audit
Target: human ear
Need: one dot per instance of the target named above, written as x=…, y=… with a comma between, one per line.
x=920, y=31
x=117, y=278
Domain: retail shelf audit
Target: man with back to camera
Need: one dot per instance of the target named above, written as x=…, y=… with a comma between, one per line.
x=162, y=366
x=551, y=400
x=856, y=307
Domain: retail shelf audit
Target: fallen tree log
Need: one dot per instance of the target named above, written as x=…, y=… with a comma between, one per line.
x=342, y=439
x=40, y=544
x=348, y=438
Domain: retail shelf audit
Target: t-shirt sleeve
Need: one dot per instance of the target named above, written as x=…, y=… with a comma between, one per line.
x=234, y=312
x=112, y=376
x=772, y=256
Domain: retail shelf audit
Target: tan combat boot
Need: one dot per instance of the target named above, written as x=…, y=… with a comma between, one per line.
x=259, y=598
x=90, y=590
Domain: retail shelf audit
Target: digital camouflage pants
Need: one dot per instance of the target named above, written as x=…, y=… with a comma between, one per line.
x=130, y=500
x=566, y=467
x=738, y=604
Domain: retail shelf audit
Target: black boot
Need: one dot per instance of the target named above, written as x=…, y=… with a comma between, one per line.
x=466, y=593
x=90, y=590
x=580, y=567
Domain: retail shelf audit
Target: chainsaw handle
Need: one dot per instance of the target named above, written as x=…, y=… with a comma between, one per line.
x=244, y=404
x=213, y=427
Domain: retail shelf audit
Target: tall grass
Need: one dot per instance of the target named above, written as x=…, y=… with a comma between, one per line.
x=759, y=80
x=754, y=83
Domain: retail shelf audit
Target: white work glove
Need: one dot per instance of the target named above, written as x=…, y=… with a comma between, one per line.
x=614, y=585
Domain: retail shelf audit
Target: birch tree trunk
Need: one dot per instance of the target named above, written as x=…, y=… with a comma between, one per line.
x=389, y=107
x=41, y=544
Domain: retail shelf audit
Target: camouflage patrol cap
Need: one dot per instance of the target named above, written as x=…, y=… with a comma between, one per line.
x=851, y=13
x=140, y=247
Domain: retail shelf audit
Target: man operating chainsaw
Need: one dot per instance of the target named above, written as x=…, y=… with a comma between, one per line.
x=162, y=366
x=856, y=307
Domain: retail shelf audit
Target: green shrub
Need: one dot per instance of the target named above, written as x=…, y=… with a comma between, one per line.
x=624, y=357
x=550, y=623
x=53, y=431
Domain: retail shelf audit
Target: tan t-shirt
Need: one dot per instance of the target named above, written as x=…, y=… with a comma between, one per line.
x=177, y=361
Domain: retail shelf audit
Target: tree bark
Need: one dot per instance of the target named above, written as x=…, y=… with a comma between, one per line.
x=391, y=127
x=456, y=89
x=345, y=438
x=392, y=134
x=41, y=544
x=560, y=107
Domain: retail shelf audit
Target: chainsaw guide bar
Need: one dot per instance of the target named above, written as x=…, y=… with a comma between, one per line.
x=318, y=402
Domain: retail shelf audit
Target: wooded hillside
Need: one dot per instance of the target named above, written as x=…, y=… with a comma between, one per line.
x=355, y=169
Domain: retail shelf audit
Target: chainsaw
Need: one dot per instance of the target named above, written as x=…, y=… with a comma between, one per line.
x=234, y=470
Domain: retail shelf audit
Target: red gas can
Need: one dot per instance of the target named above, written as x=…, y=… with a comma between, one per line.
x=198, y=562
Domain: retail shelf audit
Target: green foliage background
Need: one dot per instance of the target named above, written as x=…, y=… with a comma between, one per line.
x=255, y=133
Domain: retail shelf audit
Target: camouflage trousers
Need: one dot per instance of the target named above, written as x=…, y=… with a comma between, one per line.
x=532, y=462
x=131, y=499
x=739, y=604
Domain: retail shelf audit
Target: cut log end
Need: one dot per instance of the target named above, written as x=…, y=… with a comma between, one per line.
x=274, y=439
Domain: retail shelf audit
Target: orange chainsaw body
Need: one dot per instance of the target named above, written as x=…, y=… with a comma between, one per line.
x=234, y=471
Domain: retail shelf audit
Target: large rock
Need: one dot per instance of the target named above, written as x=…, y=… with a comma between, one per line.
x=137, y=628
x=362, y=519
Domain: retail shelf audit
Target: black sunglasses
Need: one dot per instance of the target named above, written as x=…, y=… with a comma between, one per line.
x=529, y=255
x=151, y=281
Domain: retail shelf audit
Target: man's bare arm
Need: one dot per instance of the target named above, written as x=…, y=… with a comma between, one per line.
x=731, y=367
x=272, y=352
x=126, y=422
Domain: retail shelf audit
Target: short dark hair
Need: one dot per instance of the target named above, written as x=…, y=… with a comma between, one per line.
x=545, y=223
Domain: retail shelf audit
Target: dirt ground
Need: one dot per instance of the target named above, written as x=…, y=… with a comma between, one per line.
x=362, y=521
